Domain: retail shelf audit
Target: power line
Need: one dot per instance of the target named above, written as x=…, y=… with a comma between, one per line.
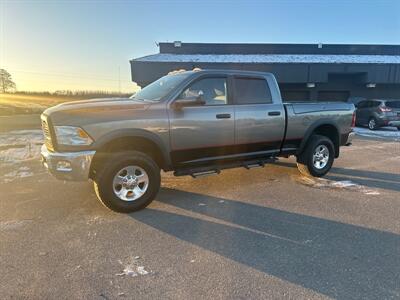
x=71, y=75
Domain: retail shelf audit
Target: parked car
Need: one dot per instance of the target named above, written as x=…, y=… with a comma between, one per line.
x=378, y=113
x=193, y=123
x=355, y=100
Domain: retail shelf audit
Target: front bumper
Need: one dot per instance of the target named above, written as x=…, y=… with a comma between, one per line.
x=72, y=166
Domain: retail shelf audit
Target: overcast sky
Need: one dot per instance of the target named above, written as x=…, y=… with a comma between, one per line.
x=50, y=45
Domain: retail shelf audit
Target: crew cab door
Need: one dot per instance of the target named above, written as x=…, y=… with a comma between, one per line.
x=202, y=132
x=260, y=119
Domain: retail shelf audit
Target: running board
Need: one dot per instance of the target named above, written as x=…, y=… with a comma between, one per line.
x=254, y=165
x=197, y=172
x=205, y=173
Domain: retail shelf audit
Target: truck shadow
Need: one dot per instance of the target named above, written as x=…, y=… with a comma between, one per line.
x=332, y=258
x=372, y=179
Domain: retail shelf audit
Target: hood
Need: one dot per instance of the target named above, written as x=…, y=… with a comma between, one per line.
x=85, y=111
x=100, y=103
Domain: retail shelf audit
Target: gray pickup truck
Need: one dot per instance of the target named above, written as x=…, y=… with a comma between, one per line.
x=193, y=123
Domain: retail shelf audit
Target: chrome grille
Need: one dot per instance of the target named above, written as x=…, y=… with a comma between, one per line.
x=47, y=135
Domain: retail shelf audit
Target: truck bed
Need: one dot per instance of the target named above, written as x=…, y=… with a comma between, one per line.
x=301, y=117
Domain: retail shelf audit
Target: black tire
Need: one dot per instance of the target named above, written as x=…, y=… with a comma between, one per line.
x=372, y=124
x=103, y=184
x=398, y=128
x=305, y=159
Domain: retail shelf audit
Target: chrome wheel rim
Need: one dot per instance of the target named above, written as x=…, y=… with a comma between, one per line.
x=320, y=157
x=371, y=124
x=130, y=183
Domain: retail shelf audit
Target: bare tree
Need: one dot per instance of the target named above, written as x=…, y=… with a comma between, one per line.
x=6, y=83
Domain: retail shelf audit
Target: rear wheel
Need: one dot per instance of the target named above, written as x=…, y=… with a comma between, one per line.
x=128, y=182
x=372, y=125
x=317, y=157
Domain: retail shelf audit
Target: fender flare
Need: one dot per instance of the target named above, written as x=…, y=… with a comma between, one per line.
x=312, y=128
x=138, y=133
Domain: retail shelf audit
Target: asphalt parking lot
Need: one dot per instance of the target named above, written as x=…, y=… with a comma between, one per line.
x=254, y=234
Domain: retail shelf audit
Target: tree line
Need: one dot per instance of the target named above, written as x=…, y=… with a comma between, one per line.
x=7, y=85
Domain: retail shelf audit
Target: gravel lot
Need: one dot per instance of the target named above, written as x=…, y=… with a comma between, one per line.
x=263, y=233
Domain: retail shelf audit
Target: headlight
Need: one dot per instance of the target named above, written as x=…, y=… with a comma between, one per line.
x=72, y=136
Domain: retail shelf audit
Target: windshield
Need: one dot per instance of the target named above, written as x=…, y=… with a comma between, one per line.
x=159, y=88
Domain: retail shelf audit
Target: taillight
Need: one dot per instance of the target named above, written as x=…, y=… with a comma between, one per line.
x=385, y=109
x=353, y=120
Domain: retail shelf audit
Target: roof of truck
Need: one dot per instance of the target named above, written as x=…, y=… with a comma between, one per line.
x=219, y=71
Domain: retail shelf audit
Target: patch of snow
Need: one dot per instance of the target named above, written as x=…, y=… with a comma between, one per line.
x=202, y=204
x=22, y=172
x=133, y=270
x=385, y=132
x=10, y=225
x=94, y=220
x=21, y=137
x=271, y=58
x=20, y=145
x=141, y=271
x=372, y=192
x=344, y=184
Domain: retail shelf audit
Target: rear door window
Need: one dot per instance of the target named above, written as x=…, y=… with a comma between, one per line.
x=362, y=104
x=393, y=104
x=375, y=103
x=252, y=91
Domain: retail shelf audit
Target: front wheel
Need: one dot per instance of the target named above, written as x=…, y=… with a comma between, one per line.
x=129, y=181
x=317, y=158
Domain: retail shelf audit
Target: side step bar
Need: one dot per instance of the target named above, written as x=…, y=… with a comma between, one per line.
x=216, y=169
x=205, y=173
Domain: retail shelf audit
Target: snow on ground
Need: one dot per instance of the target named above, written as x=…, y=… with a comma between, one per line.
x=271, y=58
x=383, y=132
x=22, y=172
x=20, y=145
x=11, y=225
x=133, y=269
x=17, y=147
x=344, y=184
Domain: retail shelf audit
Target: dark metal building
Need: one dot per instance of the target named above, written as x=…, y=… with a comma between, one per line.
x=304, y=71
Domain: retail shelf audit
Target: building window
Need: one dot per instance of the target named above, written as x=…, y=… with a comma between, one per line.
x=333, y=96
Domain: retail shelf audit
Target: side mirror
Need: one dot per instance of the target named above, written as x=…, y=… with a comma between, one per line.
x=192, y=101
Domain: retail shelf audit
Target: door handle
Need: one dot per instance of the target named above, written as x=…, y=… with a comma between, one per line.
x=223, y=116
x=274, y=113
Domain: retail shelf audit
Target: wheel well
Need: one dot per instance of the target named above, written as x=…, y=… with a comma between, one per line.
x=330, y=132
x=125, y=144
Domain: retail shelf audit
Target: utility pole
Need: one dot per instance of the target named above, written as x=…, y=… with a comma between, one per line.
x=119, y=80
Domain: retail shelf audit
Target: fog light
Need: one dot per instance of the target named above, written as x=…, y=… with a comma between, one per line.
x=64, y=166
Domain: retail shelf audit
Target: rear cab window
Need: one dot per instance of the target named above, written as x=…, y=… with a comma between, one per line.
x=252, y=90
